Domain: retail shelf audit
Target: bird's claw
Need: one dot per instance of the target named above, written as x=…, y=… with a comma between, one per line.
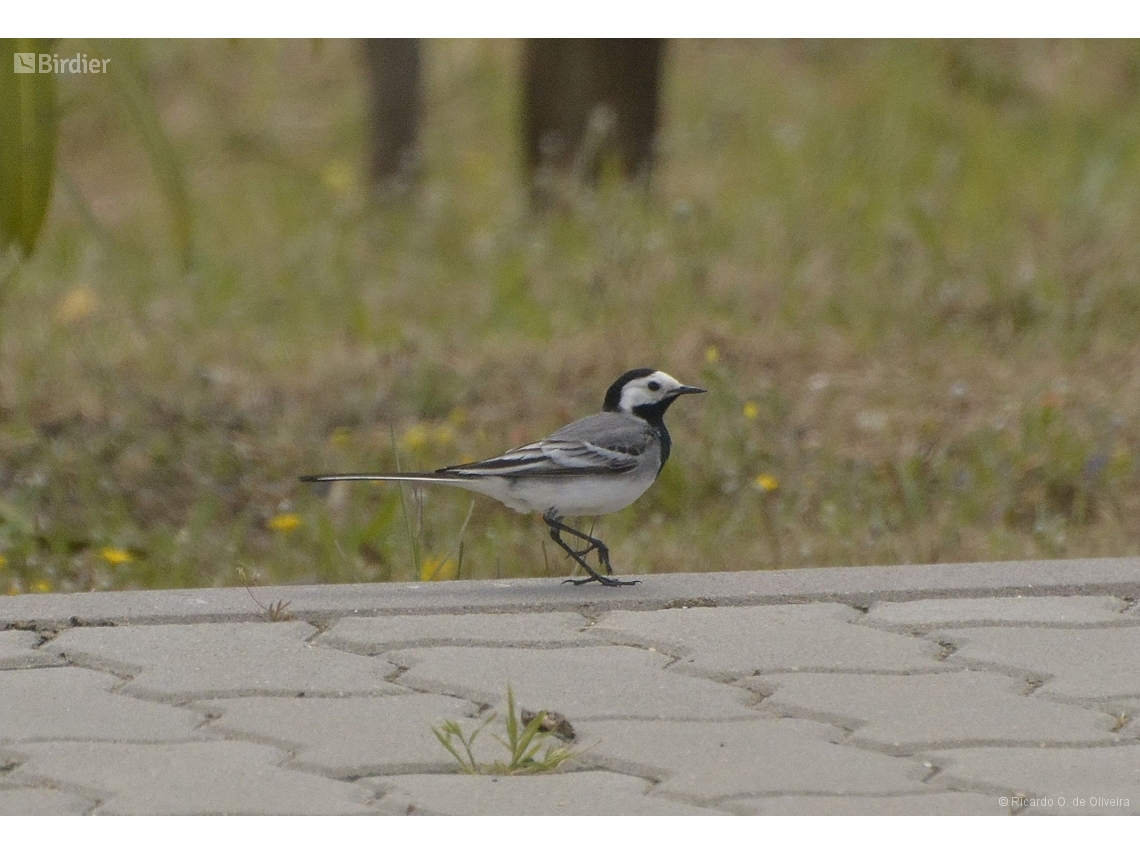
x=608, y=581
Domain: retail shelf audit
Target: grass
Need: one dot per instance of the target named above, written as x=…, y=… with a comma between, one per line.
x=907, y=271
x=525, y=734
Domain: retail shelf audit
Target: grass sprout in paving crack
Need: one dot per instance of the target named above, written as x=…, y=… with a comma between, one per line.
x=524, y=740
x=276, y=612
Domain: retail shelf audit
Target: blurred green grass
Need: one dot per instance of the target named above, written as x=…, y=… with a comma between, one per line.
x=908, y=272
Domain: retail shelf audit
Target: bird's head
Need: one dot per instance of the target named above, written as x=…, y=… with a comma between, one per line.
x=645, y=392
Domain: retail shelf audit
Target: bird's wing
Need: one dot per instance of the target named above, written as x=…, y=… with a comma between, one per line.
x=606, y=443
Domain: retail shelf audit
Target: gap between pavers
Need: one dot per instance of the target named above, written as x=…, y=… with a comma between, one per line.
x=860, y=586
x=349, y=738
x=945, y=803
x=769, y=638
x=185, y=778
x=182, y=662
x=1072, y=611
x=1091, y=663
x=17, y=650
x=585, y=793
x=74, y=703
x=1050, y=780
x=373, y=635
x=36, y=801
x=908, y=713
x=710, y=762
x=578, y=682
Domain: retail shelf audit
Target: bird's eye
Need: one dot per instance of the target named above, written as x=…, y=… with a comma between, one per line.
x=653, y=386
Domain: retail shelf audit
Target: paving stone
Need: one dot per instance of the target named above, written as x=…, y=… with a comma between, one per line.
x=184, y=662
x=1094, y=775
x=641, y=716
x=863, y=585
x=581, y=682
x=377, y=634
x=351, y=737
x=188, y=778
x=16, y=651
x=40, y=801
x=730, y=642
x=711, y=760
x=1080, y=663
x=593, y=793
x=74, y=703
x=913, y=710
x=1000, y=611
x=910, y=804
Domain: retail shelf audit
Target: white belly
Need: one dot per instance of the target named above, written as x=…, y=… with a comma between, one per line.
x=579, y=496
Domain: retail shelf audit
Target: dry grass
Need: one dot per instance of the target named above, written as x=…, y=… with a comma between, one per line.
x=908, y=272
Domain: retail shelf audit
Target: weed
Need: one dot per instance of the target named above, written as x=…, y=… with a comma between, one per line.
x=276, y=612
x=525, y=737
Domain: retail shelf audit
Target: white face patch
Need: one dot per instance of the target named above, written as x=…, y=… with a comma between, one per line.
x=647, y=390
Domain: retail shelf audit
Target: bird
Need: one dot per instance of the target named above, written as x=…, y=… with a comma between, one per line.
x=596, y=465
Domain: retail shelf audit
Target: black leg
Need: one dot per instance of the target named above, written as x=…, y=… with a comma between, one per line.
x=557, y=527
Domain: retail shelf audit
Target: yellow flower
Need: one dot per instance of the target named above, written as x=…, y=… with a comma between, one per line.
x=438, y=568
x=712, y=355
x=284, y=522
x=75, y=306
x=41, y=586
x=752, y=410
x=114, y=555
x=443, y=436
x=767, y=483
x=340, y=437
x=457, y=417
x=415, y=438
x=338, y=176
x=3, y=561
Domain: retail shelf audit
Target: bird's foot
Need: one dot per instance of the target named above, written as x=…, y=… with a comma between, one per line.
x=608, y=581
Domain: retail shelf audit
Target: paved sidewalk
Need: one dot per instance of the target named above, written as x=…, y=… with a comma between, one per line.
x=954, y=689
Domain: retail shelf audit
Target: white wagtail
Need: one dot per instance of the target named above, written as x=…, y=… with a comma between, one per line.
x=596, y=465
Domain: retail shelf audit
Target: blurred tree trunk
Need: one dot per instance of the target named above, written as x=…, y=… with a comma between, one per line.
x=587, y=101
x=394, y=78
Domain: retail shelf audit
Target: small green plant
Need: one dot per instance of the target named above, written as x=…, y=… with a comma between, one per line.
x=525, y=738
x=275, y=612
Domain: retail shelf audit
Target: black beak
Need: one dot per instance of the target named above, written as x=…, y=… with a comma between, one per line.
x=688, y=390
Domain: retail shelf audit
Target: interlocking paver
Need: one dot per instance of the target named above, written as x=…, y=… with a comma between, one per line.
x=911, y=804
x=1006, y=611
x=32, y=801
x=377, y=634
x=913, y=710
x=184, y=662
x=580, y=682
x=16, y=651
x=1095, y=775
x=1079, y=663
x=350, y=737
x=711, y=760
x=563, y=794
x=74, y=703
x=766, y=695
x=188, y=778
x=744, y=640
